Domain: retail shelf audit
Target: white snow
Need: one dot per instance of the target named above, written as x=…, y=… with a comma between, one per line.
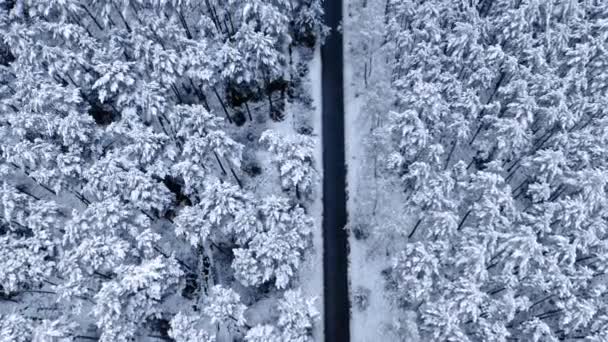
x=311, y=274
x=369, y=199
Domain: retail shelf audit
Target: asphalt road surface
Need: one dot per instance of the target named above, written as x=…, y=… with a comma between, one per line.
x=335, y=243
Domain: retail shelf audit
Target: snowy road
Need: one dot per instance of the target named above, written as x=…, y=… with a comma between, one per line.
x=335, y=255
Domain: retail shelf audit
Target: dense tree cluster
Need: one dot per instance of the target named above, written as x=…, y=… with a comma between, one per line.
x=497, y=136
x=124, y=210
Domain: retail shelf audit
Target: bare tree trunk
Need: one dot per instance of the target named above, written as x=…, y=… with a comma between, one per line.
x=238, y=181
x=415, y=228
x=463, y=219
x=121, y=16
x=86, y=9
x=220, y=163
x=182, y=20
x=447, y=161
x=248, y=111
x=219, y=98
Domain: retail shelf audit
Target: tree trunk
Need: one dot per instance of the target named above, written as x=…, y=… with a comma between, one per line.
x=219, y=98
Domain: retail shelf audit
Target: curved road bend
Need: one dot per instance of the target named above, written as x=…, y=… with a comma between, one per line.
x=335, y=248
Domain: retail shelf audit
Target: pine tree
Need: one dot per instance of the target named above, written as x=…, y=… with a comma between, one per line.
x=297, y=316
x=184, y=328
x=493, y=133
x=294, y=157
x=15, y=327
x=124, y=304
x=275, y=252
x=113, y=153
x=262, y=333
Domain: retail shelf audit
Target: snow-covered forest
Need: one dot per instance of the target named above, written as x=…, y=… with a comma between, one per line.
x=158, y=169
x=478, y=169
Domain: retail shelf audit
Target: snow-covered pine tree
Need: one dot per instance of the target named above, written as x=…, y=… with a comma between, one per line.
x=116, y=144
x=495, y=133
x=294, y=157
x=124, y=304
x=275, y=252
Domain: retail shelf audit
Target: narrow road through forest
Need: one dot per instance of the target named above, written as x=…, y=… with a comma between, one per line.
x=335, y=248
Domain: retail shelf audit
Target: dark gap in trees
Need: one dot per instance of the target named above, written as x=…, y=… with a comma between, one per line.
x=8, y=4
x=305, y=36
x=102, y=114
x=161, y=327
x=279, y=85
x=238, y=96
x=239, y=118
x=6, y=56
x=277, y=109
x=176, y=186
x=252, y=169
x=191, y=286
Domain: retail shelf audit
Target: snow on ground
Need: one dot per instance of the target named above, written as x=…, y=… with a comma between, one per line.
x=298, y=114
x=372, y=203
x=312, y=272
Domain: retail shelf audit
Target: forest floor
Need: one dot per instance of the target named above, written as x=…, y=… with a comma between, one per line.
x=372, y=204
x=300, y=115
x=311, y=274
